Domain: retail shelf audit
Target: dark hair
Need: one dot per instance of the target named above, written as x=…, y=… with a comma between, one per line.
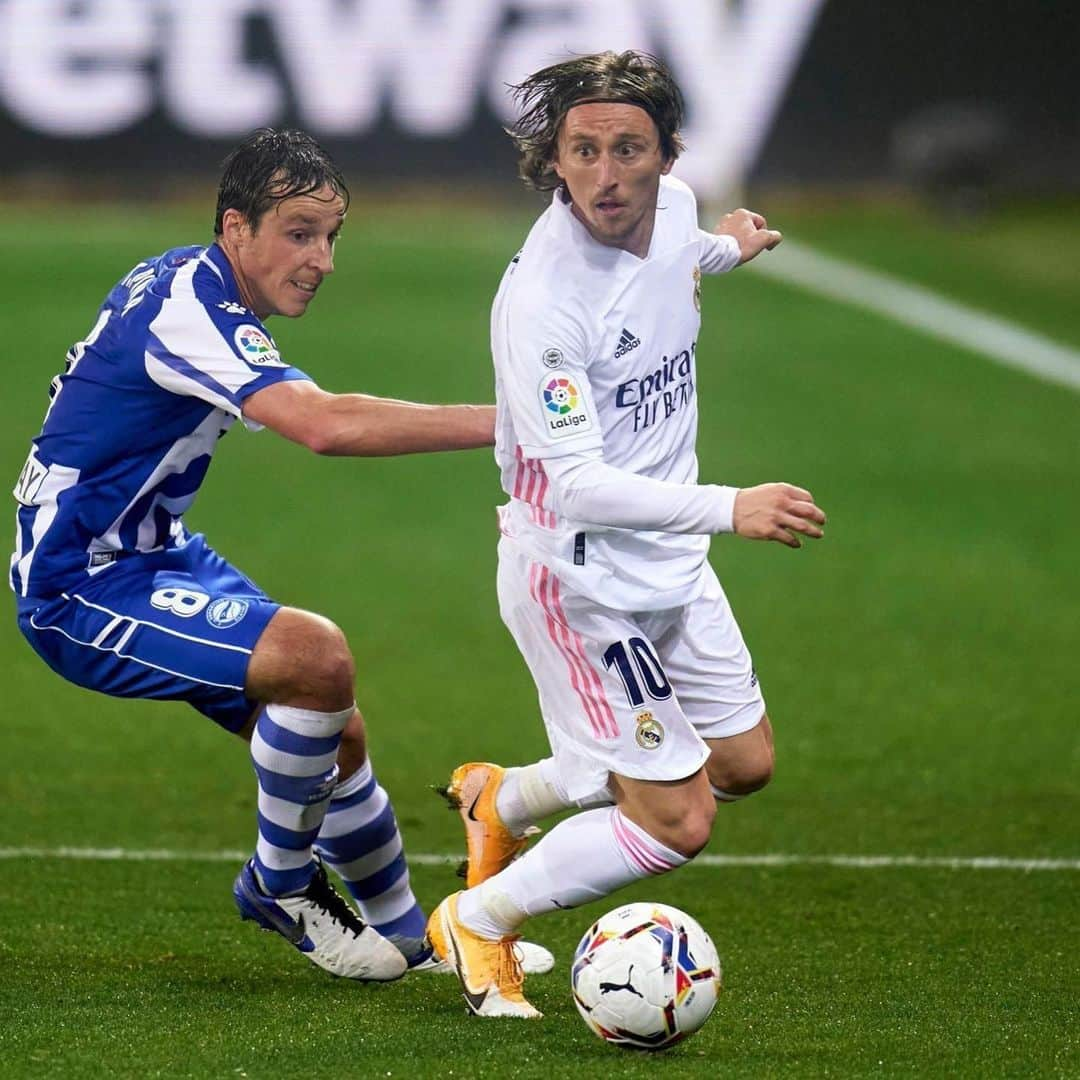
x=630, y=78
x=269, y=166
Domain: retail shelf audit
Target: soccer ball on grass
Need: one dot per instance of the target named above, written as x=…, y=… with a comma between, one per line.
x=645, y=976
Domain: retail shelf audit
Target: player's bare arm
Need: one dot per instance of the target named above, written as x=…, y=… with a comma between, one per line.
x=359, y=425
x=777, y=512
x=750, y=230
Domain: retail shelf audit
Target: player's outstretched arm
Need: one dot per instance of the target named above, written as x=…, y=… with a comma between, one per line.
x=586, y=489
x=750, y=230
x=357, y=425
x=777, y=512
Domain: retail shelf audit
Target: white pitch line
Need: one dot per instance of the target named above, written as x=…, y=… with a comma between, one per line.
x=996, y=338
x=857, y=862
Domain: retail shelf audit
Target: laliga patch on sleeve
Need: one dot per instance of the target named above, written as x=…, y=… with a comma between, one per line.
x=256, y=348
x=563, y=407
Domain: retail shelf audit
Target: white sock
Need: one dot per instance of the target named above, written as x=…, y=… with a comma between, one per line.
x=583, y=858
x=724, y=796
x=533, y=792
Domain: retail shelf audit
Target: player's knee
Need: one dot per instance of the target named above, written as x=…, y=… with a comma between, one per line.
x=302, y=659
x=743, y=764
x=687, y=830
x=328, y=666
x=695, y=831
x=745, y=776
x=352, y=750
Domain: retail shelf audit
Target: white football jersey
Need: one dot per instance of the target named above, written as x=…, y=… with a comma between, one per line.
x=594, y=352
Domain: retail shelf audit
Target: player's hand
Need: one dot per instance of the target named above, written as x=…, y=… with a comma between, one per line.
x=752, y=232
x=777, y=512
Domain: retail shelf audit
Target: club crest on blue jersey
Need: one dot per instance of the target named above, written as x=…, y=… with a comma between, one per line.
x=256, y=348
x=563, y=406
x=226, y=612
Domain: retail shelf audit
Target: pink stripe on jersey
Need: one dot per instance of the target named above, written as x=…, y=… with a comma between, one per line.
x=540, y=579
x=642, y=854
x=537, y=585
x=541, y=516
x=531, y=486
x=583, y=677
x=607, y=717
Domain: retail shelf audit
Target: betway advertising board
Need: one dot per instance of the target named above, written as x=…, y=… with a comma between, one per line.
x=394, y=87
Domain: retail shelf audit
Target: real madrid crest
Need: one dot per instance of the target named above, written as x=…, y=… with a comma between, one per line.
x=697, y=287
x=650, y=732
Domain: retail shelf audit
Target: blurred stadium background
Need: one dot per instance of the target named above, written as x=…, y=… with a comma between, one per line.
x=902, y=900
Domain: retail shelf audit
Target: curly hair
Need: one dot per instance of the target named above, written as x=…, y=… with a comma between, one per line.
x=269, y=166
x=630, y=78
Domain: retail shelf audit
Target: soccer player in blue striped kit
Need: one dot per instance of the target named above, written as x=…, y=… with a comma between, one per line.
x=115, y=594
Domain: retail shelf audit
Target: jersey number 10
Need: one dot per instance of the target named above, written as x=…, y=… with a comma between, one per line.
x=637, y=665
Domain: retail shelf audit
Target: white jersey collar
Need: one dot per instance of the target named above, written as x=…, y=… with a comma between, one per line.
x=570, y=229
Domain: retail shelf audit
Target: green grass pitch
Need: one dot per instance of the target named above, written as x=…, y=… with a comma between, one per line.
x=920, y=667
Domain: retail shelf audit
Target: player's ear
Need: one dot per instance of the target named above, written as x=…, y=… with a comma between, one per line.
x=234, y=226
x=669, y=164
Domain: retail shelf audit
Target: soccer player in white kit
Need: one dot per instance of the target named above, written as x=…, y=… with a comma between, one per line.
x=647, y=690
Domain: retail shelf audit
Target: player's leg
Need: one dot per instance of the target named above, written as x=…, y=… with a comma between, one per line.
x=656, y=827
x=500, y=808
x=598, y=727
x=741, y=764
x=709, y=665
x=359, y=835
x=184, y=625
x=304, y=660
x=706, y=660
x=302, y=672
x=361, y=840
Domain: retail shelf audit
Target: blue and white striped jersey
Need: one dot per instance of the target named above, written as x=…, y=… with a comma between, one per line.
x=135, y=418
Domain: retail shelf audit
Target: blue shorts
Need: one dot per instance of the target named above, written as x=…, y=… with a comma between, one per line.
x=176, y=625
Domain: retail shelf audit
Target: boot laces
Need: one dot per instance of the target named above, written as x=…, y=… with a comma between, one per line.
x=325, y=897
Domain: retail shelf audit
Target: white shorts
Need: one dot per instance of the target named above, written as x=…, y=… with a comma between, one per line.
x=635, y=694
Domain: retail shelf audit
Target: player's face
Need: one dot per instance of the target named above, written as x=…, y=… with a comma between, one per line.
x=280, y=265
x=609, y=157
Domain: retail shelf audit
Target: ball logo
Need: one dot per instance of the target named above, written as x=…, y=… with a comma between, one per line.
x=226, y=612
x=563, y=406
x=255, y=347
x=560, y=396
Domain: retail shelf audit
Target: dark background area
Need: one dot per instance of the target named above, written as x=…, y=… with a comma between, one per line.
x=918, y=93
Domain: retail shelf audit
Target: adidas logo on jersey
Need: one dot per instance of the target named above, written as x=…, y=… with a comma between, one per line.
x=627, y=342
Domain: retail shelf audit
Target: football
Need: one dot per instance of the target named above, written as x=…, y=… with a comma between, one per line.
x=645, y=976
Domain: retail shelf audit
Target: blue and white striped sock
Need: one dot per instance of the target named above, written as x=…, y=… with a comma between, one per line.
x=360, y=840
x=295, y=757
